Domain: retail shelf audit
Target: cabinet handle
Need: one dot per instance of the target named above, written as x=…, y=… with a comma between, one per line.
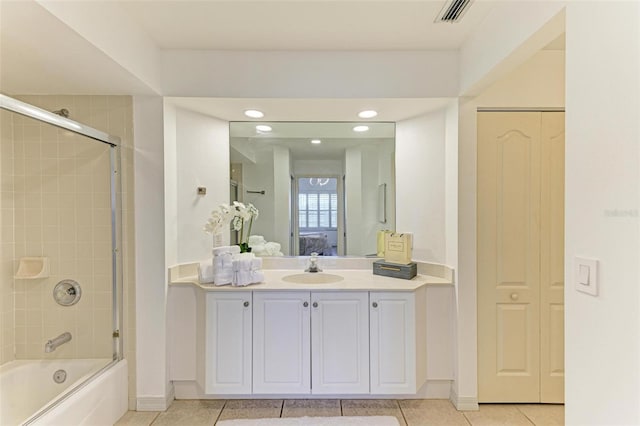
x=514, y=296
x=246, y=304
x=315, y=304
x=374, y=304
x=305, y=304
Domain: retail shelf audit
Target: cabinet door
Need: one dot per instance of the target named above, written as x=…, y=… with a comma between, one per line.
x=340, y=342
x=393, y=343
x=228, y=343
x=281, y=342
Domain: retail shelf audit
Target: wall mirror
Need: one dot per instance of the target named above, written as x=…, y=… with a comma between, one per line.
x=325, y=187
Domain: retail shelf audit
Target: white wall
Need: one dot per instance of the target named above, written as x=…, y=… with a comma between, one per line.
x=109, y=28
x=508, y=36
x=451, y=184
x=602, y=203
x=280, y=74
x=202, y=159
x=369, y=219
x=281, y=196
x=387, y=175
x=353, y=200
x=318, y=167
x=151, y=273
x=170, y=184
x=258, y=177
x=420, y=183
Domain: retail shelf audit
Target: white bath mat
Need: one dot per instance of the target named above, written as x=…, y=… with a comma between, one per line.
x=315, y=421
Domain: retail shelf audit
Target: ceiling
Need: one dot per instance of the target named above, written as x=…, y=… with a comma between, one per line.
x=303, y=24
x=39, y=54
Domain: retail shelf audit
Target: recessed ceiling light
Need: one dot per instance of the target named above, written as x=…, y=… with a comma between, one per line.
x=263, y=128
x=367, y=114
x=254, y=113
x=316, y=141
x=361, y=128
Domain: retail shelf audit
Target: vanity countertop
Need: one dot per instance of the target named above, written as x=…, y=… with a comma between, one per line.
x=354, y=279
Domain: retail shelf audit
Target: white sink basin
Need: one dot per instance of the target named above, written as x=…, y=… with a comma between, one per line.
x=313, y=278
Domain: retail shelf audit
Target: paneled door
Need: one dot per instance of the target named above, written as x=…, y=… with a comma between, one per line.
x=281, y=342
x=228, y=343
x=520, y=246
x=340, y=342
x=552, y=259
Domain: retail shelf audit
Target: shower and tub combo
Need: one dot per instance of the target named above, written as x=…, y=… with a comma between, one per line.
x=61, y=193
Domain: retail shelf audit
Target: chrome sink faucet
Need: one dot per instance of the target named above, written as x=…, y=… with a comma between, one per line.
x=52, y=344
x=313, y=263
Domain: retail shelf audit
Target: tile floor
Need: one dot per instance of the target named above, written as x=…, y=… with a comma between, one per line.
x=410, y=412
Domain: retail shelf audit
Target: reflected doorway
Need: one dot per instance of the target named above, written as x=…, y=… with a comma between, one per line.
x=318, y=215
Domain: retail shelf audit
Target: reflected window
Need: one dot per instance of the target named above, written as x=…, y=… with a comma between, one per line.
x=318, y=204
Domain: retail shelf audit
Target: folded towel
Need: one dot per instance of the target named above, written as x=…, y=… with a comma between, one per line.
x=243, y=278
x=246, y=263
x=222, y=262
x=223, y=278
x=243, y=256
x=225, y=249
x=205, y=272
x=246, y=269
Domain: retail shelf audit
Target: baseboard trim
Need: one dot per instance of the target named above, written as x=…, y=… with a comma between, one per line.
x=156, y=403
x=432, y=389
x=463, y=403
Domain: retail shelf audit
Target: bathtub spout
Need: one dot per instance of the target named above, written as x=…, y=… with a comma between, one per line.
x=52, y=344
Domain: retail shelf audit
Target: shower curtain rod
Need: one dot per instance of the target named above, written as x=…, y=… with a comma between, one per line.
x=23, y=108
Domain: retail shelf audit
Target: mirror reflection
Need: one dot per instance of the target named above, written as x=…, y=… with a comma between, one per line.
x=323, y=187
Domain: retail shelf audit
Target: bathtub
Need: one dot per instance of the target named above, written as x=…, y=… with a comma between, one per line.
x=94, y=392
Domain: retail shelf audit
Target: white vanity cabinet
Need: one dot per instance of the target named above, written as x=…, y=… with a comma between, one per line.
x=228, y=349
x=288, y=342
x=340, y=342
x=281, y=342
x=310, y=342
x=398, y=341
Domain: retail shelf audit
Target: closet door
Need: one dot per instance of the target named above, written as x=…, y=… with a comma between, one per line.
x=552, y=259
x=508, y=257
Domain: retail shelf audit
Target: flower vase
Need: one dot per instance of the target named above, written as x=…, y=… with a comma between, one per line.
x=244, y=248
x=217, y=240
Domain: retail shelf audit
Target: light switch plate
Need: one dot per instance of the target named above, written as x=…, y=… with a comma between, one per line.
x=585, y=275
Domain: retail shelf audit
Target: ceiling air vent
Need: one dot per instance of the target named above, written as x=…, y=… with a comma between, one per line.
x=453, y=10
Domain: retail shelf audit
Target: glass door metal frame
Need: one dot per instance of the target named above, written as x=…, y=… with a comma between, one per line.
x=39, y=114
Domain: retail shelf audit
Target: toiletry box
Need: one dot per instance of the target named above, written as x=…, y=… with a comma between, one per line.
x=394, y=270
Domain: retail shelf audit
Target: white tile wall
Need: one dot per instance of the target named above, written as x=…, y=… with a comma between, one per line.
x=55, y=203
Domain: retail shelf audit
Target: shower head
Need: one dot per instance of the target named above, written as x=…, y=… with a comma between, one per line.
x=62, y=112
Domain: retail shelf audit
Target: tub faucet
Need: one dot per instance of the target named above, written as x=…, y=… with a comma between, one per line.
x=313, y=263
x=52, y=344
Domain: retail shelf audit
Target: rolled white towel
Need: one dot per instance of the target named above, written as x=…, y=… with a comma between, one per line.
x=205, y=272
x=272, y=247
x=255, y=240
x=258, y=250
